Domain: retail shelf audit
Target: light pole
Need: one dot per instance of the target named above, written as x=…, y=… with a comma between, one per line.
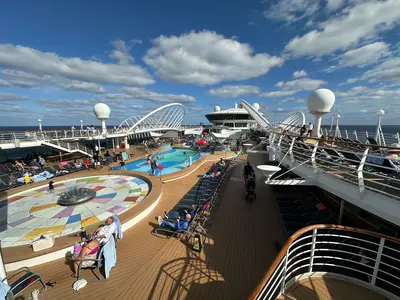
x=40, y=125
x=379, y=136
x=337, y=125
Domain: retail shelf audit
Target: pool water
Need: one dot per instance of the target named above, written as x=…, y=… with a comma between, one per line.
x=173, y=160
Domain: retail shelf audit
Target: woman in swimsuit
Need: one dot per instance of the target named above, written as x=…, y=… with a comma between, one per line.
x=89, y=250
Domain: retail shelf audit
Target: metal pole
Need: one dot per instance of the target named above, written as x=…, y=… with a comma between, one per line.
x=342, y=203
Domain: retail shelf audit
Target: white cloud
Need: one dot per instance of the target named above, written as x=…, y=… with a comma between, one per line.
x=302, y=84
x=89, y=87
x=11, y=97
x=234, y=91
x=46, y=63
x=300, y=73
x=4, y=83
x=204, y=58
x=388, y=70
x=24, y=79
x=363, y=20
x=333, y=5
x=121, y=52
x=277, y=94
x=147, y=95
x=291, y=10
x=365, y=55
x=292, y=100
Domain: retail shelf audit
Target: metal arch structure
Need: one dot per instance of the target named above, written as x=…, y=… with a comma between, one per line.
x=293, y=122
x=164, y=118
x=256, y=115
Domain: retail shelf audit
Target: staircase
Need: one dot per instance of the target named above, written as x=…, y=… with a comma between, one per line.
x=68, y=147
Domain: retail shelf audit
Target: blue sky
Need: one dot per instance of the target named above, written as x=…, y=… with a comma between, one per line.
x=57, y=59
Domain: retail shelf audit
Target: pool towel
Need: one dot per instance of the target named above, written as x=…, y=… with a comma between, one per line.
x=118, y=227
x=110, y=256
x=4, y=288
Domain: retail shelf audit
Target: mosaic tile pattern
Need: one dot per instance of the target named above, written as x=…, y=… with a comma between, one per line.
x=25, y=217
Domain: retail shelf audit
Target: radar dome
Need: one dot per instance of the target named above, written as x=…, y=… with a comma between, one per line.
x=102, y=111
x=321, y=101
x=217, y=108
x=256, y=106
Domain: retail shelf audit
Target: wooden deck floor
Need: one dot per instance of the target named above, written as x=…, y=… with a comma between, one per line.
x=239, y=250
x=323, y=288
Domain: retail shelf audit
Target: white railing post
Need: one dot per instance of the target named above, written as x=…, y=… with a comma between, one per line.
x=314, y=153
x=355, y=134
x=360, y=168
x=398, y=137
x=65, y=133
x=291, y=150
x=77, y=146
x=69, y=147
x=378, y=261
x=284, y=271
x=314, y=239
x=346, y=134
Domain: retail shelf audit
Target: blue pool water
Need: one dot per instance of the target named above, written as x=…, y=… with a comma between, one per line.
x=173, y=160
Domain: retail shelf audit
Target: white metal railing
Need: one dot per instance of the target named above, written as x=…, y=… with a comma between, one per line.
x=362, y=165
x=72, y=146
x=352, y=254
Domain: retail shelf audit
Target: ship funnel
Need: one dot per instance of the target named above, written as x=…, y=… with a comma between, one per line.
x=268, y=170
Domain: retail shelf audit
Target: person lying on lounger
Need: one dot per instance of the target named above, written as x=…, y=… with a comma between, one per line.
x=181, y=213
x=175, y=225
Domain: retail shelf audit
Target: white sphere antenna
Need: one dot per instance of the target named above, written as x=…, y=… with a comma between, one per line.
x=256, y=106
x=102, y=113
x=380, y=112
x=217, y=108
x=320, y=103
x=338, y=116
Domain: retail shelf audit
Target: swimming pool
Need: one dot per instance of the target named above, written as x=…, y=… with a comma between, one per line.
x=173, y=160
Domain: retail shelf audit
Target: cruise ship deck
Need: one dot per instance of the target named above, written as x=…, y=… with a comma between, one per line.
x=245, y=242
x=238, y=252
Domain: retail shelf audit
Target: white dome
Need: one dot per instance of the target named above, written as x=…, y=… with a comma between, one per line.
x=256, y=106
x=380, y=112
x=217, y=108
x=102, y=111
x=321, y=101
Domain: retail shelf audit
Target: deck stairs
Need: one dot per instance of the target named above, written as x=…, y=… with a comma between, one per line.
x=68, y=147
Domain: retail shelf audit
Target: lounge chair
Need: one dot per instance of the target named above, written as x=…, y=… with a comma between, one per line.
x=22, y=283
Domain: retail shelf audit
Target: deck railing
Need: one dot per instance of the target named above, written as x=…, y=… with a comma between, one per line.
x=363, y=165
x=360, y=256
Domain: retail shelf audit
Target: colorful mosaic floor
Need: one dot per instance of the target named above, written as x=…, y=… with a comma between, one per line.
x=35, y=212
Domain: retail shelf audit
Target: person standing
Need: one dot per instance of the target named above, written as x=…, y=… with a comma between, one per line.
x=96, y=150
x=153, y=166
x=51, y=187
x=310, y=130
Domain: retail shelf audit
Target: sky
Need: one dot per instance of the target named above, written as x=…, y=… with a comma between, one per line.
x=59, y=58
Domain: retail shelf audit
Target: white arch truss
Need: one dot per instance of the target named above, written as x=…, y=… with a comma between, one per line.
x=256, y=115
x=293, y=122
x=167, y=117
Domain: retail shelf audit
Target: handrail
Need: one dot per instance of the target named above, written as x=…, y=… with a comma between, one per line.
x=313, y=228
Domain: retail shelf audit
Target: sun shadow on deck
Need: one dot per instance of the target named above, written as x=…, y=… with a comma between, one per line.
x=242, y=243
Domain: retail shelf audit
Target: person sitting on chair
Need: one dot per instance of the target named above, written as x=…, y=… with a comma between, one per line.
x=89, y=250
x=104, y=233
x=177, y=224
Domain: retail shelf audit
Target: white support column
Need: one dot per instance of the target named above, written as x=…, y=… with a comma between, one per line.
x=126, y=142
